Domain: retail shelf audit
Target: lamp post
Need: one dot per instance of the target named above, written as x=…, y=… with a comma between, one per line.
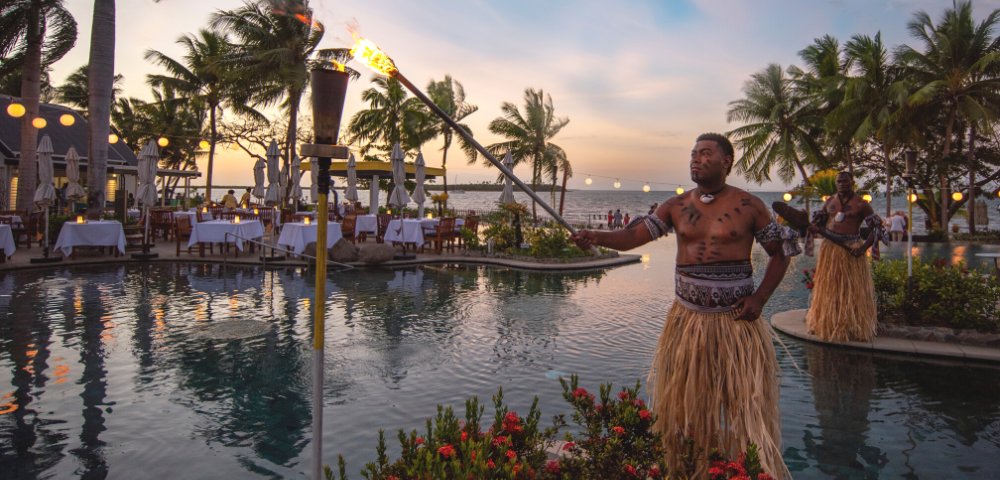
x=329, y=89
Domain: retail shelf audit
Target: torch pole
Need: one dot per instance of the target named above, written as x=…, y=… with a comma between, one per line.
x=506, y=171
x=323, y=187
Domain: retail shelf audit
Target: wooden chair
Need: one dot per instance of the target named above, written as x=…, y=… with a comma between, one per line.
x=216, y=210
x=296, y=218
x=29, y=230
x=382, y=224
x=182, y=230
x=347, y=228
x=6, y=221
x=229, y=216
x=161, y=220
x=445, y=232
x=471, y=224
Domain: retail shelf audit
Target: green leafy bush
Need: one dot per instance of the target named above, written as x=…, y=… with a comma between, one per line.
x=470, y=239
x=988, y=236
x=552, y=242
x=503, y=236
x=943, y=294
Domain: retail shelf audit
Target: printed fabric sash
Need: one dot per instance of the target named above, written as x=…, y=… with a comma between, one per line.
x=877, y=228
x=873, y=221
x=713, y=288
x=788, y=237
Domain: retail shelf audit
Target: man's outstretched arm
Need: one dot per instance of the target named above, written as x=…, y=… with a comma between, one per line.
x=625, y=239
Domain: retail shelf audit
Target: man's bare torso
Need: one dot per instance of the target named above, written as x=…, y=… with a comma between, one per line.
x=720, y=231
x=855, y=209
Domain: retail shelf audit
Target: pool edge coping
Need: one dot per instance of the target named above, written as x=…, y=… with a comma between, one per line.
x=793, y=323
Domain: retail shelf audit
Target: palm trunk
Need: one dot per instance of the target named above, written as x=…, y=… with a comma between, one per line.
x=444, y=165
x=211, y=154
x=971, y=204
x=290, y=138
x=101, y=77
x=534, y=187
x=850, y=161
x=888, y=182
x=27, y=165
x=944, y=178
x=805, y=182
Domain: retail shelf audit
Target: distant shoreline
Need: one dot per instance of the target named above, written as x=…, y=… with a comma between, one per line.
x=482, y=187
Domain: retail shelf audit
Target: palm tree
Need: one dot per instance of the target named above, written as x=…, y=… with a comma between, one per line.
x=100, y=90
x=202, y=75
x=449, y=95
x=780, y=120
x=33, y=35
x=957, y=68
x=872, y=102
x=529, y=136
x=383, y=123
x=277, y=49
x=73, y=91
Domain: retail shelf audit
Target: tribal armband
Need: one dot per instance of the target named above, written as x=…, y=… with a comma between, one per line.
x=657, y=228
x=820, y=217
x=877, y=228
x=773, y=232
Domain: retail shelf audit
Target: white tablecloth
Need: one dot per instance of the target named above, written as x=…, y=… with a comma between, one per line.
x=215, y=232
x=134, y=213
x=297, y=235
x=412, y=232
x=6, y=240
x=432, y=223
x=366, y=223
x=15, y=219
x=191, y=215
x=94, y=233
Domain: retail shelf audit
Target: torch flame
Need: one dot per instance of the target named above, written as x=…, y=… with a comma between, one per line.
x=366, y=52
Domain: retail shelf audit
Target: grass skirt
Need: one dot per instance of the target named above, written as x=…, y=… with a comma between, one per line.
x=717, y=380
x=843, y=305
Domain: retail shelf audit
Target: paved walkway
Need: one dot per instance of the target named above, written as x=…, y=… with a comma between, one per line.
x=793, y=323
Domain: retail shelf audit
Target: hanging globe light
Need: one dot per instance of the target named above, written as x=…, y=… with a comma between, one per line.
x=867, y=197
x=618, y=184
x=234, y=147
x=957, y=196
x=645, y=188
x=680, y=190
x=163, y=142
x=913, y=198
x=39, y=122
x=204, y=145
x=787, y=197
x=112, y=138
x=15, y=110
x=67, y=119
x=588, y=181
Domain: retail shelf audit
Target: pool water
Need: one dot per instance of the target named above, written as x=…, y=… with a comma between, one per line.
x=123, y=371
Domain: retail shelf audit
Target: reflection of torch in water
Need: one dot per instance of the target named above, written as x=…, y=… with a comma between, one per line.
x=369, y=54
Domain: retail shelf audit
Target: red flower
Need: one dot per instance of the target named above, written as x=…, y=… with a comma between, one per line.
x=511, y=454
x=473, y=455
x=715, y=472
x=490, y=464
x=629, y=469
x=447, y=451
x=737, y=468
x=599, y=407
x=645, y=415
x=511, y=417
x=618, y=430
x=719, y=464
x=805, y=271
x=809, y=285
x=740, y=477
x=654, y=471
x=622, y=395
x=499, y=441
x=764, y=476
x=568, y=445
x=392, y=477
x=579, y=393
x=419, y=441
x=552, y=466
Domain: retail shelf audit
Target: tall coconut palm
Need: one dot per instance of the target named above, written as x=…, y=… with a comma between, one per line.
x=275, y=51
x=382, y=124
x=33, y=34
x=952, y=70
x=529, y=136
x=779, y=120
x=202, y=75
x=449, y=95
x=73, y=91
x=873, y=101
x=101, y=80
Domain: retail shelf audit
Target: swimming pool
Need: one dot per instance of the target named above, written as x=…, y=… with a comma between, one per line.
x=122, y=372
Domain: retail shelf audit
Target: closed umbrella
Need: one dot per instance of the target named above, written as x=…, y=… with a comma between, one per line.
x=418, y=193
x=507, y=196
x=982, y=215
x=296, y=178
x=258, y=178
x=74, y=191
x=351, y=195
x=273, y=195
x=398, y=197
x=149, y=158
x=45, y=196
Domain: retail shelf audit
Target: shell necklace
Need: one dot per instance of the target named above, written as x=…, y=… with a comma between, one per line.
x=840, y=215
x=710, y=197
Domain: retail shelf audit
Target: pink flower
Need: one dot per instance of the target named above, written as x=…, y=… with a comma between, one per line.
x=618, y=430
x=447, y=451
x=629, y=469
x=638, y=403
x=568, y=445
x=552, y=466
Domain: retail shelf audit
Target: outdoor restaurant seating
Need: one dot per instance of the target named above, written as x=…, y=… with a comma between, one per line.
x=347, y=228
x=443, y=232
x=216, y=210
x=297, y=218
x=472, y=224
x=182, y=231
x=382, y=220
x=162, y=221
x=29, y=230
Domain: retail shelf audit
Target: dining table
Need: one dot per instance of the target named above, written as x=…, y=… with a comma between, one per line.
x=410, y=231
x=6, y=242
x=91, y=233
x=296, y=235
x=432, y=223
x=366, y=223
x=216, y=231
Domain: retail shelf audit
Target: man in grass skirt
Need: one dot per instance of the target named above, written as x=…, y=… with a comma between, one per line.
x=714, y=373
x=843, y=305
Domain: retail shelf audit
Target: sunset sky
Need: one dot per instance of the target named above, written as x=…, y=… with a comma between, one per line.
x=639, y=80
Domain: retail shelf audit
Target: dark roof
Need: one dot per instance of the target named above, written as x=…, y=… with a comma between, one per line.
x=62, y=137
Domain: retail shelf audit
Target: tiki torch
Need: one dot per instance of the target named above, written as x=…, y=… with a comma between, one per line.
x=329, y=88
x=369, y=54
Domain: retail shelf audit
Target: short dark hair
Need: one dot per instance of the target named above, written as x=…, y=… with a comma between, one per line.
x=845, y=172
x=727, y=146
x=231, y=192
x=248, y=189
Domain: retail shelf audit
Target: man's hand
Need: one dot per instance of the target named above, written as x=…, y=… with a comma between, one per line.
x=858, y=251
x=750, y=308
x=584, y=239
x=813, y=229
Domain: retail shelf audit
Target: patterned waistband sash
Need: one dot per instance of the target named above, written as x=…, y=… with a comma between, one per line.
x=846, y=239
x=713, y=288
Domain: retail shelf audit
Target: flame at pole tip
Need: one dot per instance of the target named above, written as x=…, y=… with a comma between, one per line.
x=366, y=52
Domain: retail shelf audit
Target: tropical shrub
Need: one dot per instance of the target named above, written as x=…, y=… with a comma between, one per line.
x=504, y=237
x=469, y=238
x=943, y=294
x=552, y=242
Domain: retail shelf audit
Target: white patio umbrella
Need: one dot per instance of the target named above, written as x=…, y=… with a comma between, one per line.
x=149, y=158
x=74, y=191
x=314, y=175
x=296, y=178
x=398, y=197
x=507, y=195
x=351, y=195
x=258, y=178
x=45, y=196
x=273, y=195
x=419, y=197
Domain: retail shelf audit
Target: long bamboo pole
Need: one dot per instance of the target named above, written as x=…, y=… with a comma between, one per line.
x=506, y=171
x=319, y=316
